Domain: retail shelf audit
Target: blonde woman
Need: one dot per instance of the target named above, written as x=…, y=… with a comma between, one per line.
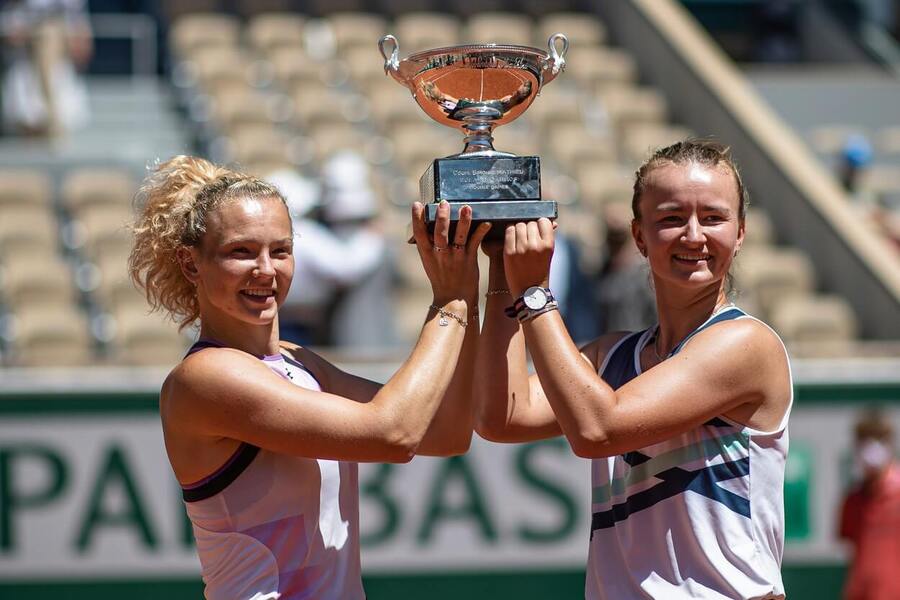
x=264, y=436
x=685, y=422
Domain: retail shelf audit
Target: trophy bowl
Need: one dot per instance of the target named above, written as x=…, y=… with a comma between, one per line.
x=475, y=88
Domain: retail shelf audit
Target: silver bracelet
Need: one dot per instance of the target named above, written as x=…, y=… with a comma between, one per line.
x=445, y=314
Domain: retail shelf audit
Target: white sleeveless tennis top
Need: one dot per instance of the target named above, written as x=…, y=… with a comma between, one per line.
x=700, y=515
x=272, y=526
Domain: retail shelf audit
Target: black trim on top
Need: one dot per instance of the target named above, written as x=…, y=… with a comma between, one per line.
x=222, y=479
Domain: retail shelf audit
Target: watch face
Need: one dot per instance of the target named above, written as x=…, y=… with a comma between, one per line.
x=535, y=298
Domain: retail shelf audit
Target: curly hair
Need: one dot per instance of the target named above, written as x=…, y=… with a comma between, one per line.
x=705, y=152
x=173, y=205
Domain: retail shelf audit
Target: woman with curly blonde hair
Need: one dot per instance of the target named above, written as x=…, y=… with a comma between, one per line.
x=264, y=436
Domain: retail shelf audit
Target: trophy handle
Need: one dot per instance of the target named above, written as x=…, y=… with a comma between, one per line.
x=392, y=62
x=557, y=57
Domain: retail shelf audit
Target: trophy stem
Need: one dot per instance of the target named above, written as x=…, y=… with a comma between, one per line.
x=479, y=138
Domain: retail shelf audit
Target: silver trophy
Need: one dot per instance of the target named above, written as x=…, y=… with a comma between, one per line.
x=475, y=88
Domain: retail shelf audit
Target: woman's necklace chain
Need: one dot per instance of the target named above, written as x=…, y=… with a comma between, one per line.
x=656, y=337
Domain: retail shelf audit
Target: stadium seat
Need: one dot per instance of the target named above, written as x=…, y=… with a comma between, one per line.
x=829, y=139
x=24, y=186
x=640, y=140
x=768, y=276
x=103, y=230
x=887, y=142
x=27, y=283
x=759, y=230
x=557, y=104
x=192, y=32
x=87, y=187
x=598, y=67
x=140, y=338
x=292, y=67
x=27, y=222
x=258, y=144
x=628, y=105
x=601, y=182
x=357, y=29
x=239, y=109
x=570, y=144
x=316, y=105
x=213, y=65
x=426, y=30
x=582, y=29
x=499, y=28
x=57, y=338
x=270, y=31
x=821, y=320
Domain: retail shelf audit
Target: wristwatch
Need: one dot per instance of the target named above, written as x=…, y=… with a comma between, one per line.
x=535, y=301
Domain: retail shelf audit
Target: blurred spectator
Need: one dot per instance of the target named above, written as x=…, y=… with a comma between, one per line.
x=870, y=515
x=325, y=263
x=44, y=41
x=567, y=279
x=626, y=300
x=855, y=158
x=362, y=312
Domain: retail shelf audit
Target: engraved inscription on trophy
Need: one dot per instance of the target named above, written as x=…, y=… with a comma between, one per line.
x=475, y=88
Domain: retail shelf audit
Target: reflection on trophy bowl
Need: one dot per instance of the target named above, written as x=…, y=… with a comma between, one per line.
x=474, y=88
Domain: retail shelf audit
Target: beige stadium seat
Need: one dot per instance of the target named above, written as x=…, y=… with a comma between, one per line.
x=582, y=29
x=240, y=109
x=598, y=67
x=601, y=182
x=51, y=338
x=259, y=144
x=557, y=104
x=316, y=105
x=640, y=140
x=269, y=31
x=391, y=105
x=569, y=144
x=104, y=230
x=499, y=28
x=509, y=139
x=365, y=67
x=204, y=30
x=814, y=320
x=83, y=188
x=830, y=138
x=329, y=138
x=758, y=229
x=27, y=222
x=145, y=339
x=291, y=67
x=211, y=66
x=627, y=106
x=27, y=283
x=768, y=276
x=887, y=141
x=419, y=31
x=416, y=144
x=357, y=29
x=24, y=186
x=114, y=285
x=881, y=178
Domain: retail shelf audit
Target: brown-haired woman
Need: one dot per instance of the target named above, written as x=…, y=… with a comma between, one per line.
x=686, y=422
x=262, y=435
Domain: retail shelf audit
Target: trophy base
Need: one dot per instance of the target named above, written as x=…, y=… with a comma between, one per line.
x=499, y=212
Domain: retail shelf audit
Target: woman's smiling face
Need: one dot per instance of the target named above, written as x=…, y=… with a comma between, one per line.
x=690, y=226
x=245, y=263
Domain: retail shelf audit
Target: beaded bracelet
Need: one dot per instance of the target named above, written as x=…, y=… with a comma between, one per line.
x=447, y=314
